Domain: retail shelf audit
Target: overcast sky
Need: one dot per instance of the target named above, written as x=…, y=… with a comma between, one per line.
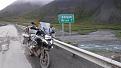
x=5, y=3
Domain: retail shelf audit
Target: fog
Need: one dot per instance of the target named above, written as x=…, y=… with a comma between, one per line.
x=36, y=1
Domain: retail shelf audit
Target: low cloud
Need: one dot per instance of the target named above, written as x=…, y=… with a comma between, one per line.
x=37, y=1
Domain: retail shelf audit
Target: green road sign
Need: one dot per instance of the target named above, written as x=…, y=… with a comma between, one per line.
x=66, y=18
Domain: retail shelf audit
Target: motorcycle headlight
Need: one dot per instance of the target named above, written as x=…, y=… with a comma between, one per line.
x=48, y=37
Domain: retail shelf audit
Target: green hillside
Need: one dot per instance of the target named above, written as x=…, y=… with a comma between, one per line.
x=50, y=12
x=95, y=10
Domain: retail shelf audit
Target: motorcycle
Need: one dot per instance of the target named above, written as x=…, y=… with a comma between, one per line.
x=39, y=46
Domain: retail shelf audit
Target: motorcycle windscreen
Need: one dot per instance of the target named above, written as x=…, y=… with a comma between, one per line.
x=45, y=26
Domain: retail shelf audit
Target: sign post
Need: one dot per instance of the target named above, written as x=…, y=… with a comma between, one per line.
x=66, y=18
x=63, y=28
x=70, y=28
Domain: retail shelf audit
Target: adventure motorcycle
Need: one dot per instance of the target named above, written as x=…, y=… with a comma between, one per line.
x=39, y=45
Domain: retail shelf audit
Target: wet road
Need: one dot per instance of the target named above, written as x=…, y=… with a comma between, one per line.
x=60, y=58
x=16, y=56
x=13, y=57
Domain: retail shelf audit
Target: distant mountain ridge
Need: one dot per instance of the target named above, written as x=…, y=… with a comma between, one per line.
x=18, y=8
x=50, y=11
x=97, y=10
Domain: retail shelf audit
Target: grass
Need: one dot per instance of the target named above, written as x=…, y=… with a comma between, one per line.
x=82, y=27
x=86, y=27
x=118, y=34
x=19, y=21
x=84, y=32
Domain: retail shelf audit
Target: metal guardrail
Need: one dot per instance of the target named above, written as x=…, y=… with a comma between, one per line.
x=95, y=58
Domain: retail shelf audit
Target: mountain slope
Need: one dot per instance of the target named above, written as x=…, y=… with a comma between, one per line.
x=18, y=8
x=96, y=10
x=99, y=10
x=108, y=12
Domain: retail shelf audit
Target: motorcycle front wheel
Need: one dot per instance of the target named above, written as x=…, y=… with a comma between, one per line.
x=44, y=59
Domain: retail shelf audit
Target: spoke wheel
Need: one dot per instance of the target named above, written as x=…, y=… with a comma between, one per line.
x=44, y=59
x=30, y=53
